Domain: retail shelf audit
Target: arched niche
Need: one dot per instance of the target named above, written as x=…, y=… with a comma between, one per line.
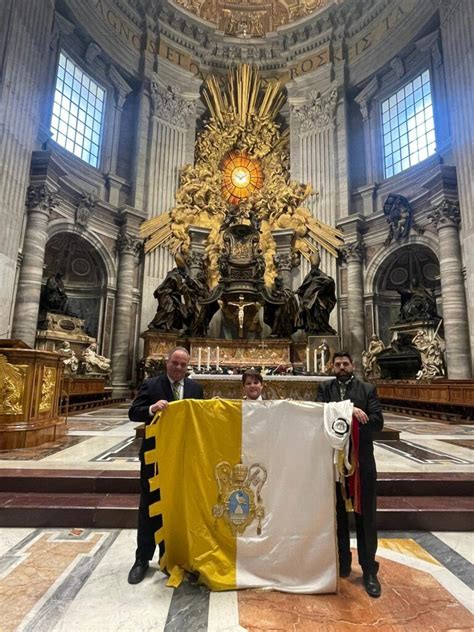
x=84, y=275
x=398, y=271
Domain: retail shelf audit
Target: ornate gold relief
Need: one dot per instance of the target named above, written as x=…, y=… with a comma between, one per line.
x=48, y=384
x=242, y=157
x=12, y=384
x=251, y=19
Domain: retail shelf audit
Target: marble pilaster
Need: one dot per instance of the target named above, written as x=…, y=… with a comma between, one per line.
x=40, y=202
x=353, y=254
x=171, y=115
x=446, y=217
x=364, y=101
x=128, y=247
x=315, y=121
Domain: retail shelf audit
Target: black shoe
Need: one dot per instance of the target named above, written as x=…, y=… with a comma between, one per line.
x=138, y=571
x=372, y=585
x=344, y=570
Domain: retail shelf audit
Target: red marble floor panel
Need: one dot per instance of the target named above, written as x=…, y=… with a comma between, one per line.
x=411, y=600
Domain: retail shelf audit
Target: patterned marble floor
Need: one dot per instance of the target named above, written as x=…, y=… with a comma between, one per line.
x=75, y=581
x=105, y=439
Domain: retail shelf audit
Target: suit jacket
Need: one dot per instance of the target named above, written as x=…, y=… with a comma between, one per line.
x=363, y=396
x=151, y=391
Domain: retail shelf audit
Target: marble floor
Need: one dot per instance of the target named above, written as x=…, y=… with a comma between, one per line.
x=67, y=580
x=74, y=579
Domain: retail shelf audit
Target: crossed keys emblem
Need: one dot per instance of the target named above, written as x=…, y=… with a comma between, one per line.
x=239, y=501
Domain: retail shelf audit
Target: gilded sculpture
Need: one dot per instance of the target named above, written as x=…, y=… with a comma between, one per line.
x=242, y=157
x=48, y=384
x=11, y=388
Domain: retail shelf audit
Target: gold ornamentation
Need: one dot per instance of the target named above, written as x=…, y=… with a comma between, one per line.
x=242, y=124
x=11, y=385
x=239, y=501
x=241, y=176
x=255, y=19
x=47, y=389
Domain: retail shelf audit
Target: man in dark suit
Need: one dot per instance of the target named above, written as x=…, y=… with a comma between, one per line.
x=368, y=412
x=154, y=395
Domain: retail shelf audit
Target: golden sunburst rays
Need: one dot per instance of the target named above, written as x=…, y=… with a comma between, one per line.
x=245, y=96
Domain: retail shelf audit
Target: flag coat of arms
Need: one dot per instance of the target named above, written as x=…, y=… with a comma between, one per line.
x=247, y=494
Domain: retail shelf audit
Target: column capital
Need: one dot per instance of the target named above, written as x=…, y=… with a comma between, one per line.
x=129, y=244
x=318, y=112
x=445, y=214
x=353, y=252
x=41, y=198
x=168, y=105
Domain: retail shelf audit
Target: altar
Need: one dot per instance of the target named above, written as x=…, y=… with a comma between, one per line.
x=296, y=387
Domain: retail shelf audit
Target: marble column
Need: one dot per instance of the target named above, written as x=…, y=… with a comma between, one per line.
x=353, y=254
x=128, y=247
x=25, y=30
x=446, y=218
x=456, y=20
x=40, y=201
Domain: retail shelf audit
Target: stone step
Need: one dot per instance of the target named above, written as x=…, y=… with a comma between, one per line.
x=127, y=482
x=434, y=513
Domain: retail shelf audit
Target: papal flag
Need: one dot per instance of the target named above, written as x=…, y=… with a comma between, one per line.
x=247, y=493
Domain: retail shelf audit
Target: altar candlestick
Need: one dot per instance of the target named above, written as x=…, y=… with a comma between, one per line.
x=199, y=358
x=315, y=361
x=307, y=359
x=217, y=358
x=208, y=365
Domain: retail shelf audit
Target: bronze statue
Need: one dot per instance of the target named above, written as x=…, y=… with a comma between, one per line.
x=317, y=295
x=53, y=296
x=417, y=303
x=281, y=316
x=171, y=312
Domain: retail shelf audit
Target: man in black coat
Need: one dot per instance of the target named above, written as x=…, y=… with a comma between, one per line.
x=368, y=412
x=154, y=395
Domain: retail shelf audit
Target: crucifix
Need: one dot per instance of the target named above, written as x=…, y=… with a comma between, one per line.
x=241, y=305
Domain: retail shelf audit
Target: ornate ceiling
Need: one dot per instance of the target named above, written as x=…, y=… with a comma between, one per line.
x=251, y=18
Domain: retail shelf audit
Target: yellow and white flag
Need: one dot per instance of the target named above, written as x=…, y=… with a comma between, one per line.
x=247, y=494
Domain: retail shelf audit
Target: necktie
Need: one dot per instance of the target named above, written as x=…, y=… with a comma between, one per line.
x=342, y=390
x=176, y=390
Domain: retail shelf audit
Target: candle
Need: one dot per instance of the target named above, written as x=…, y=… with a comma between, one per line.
x=217, y=358
x=208, y=364
x=199, y=358
x=323, y=360
x=315, y=361
x=307, y=359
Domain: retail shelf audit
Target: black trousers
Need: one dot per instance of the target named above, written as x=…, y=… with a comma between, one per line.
x=366, y=529
x=147, y=526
